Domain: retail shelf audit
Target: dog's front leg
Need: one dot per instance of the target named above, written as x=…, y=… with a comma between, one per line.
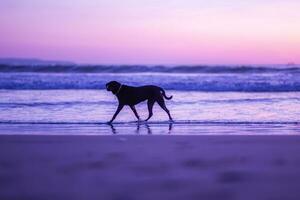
x=135, y=113
x=120, y=106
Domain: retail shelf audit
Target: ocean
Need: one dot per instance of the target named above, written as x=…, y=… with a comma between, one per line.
x=206, y=100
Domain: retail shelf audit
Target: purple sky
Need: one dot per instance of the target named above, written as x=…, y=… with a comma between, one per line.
x=152, y=32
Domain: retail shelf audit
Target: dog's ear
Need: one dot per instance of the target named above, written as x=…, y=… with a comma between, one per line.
x=113, y=86
x=107, y=86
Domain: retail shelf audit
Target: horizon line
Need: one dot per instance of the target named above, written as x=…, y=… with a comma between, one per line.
x=135, y=64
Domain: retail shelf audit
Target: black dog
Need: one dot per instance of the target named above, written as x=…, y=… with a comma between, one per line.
x=128, y=95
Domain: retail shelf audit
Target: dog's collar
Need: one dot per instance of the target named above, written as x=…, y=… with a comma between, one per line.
x=119, y=89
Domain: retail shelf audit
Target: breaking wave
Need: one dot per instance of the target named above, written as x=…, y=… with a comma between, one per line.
x=186, y=78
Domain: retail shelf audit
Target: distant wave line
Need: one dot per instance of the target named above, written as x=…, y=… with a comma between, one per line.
x=144, y=68
x=257, y=82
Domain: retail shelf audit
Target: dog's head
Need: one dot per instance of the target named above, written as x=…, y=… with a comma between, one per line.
x=113, y=86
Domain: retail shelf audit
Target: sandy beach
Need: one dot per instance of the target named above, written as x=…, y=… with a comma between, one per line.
x=147, y=167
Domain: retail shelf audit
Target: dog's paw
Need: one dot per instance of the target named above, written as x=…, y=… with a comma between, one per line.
x=171, y=120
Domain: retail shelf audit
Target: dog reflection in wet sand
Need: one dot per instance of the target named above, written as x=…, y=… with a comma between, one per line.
x=139, y=131
x=131, y=96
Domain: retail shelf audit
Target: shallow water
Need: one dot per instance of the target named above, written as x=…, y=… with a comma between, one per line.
x=86, y=111
x=150, y=129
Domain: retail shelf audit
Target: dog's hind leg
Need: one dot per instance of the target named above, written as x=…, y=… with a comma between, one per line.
x=161, y=103
x=150, y=104
x=135, y=113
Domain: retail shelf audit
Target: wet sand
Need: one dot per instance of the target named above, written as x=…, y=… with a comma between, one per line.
x=148, y=167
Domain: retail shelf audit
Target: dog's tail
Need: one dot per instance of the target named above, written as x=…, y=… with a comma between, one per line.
x=164, y=94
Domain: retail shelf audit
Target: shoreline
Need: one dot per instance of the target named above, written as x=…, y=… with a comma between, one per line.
x=151, y=129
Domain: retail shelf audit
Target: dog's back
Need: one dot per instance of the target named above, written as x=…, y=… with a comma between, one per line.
x=133, y=95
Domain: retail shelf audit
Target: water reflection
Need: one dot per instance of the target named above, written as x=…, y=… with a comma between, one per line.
x=141, y=128
x=113, y=129
x=138, y=129
x=170, y=127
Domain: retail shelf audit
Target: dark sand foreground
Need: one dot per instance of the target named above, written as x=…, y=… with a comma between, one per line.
x=150, y=167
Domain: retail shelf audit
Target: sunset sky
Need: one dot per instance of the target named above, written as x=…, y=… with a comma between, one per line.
x=152, y=31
